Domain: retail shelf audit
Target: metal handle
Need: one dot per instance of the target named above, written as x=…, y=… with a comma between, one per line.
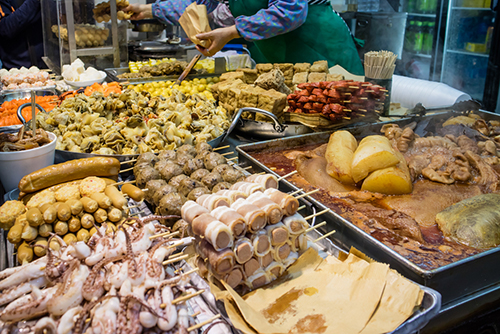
x=278, y=127
x=20, y=108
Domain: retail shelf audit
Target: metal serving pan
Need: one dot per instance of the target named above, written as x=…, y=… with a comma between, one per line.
x=453, y=281
x=62, y=156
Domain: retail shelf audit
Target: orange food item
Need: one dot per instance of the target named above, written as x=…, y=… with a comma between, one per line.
x=8, y=109
x=105, y=89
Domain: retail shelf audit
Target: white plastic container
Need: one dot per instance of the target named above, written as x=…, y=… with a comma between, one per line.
x=15, y=165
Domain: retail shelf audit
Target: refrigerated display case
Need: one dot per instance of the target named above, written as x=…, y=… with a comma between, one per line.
x=469, y=27
x=420, y=50
x=71, y=31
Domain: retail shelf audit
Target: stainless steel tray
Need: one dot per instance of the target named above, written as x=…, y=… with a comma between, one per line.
x=62, y=156
x=220, y=67
x=453, y=281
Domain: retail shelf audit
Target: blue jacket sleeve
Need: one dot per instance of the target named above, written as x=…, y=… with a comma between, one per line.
x=170, y=11
x=13, y=22
x=280, y=17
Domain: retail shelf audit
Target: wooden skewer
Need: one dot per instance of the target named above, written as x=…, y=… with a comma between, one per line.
x=126, y=170
x=123, y=182
x=301, y=207
x=261, y=173
x=175, y=244
x=347, y=110
x=191, y=271
x=295, y=192
x=324, y=236
x=227, y=153
x=247, y=167
x=133, y=206
x=127, y=161
x=186, y=297
x=195, y=314
x=287, y=175
x=354, y=87
x=384, y=90
x=177, y=259
x=231, y=159
x=135, y=213
x=173, y=256
x=315, y=227
x=220, y=148
x=307, y=194
x=201, y=324
x=317, y=214
x=165, y=234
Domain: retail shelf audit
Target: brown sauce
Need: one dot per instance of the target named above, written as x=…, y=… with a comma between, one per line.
x=427, y=255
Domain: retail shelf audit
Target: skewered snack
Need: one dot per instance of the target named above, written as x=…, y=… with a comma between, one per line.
x=336, y=99
x=71, y=295
x=132, y=123
x=24, y=78
x=257, y=257
x=23, y=140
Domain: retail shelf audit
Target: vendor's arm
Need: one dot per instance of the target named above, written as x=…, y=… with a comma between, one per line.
x=168, y=11
x=12, y=22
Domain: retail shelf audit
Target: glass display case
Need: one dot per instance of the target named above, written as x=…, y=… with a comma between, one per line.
x=85, y=29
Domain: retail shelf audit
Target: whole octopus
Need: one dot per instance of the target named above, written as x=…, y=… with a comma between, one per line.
x=133, y=123
x=116, y=283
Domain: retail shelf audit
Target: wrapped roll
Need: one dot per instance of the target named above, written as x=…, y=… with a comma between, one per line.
x=217, y=233
x=275, y=270
x=280, y=253
x=247, y=187
x=190, y=210
x=251, y=266
x=221, y=262
x=234, y=277
x=243, y=250
x=233, y=195
x=265, y=260
x=295, y=224
x=288, y=203
x=232, y=219
x=202, y=267
x=299, y=243
x=291, y=258
x=273, y=211
x=255, y=217
x=266, y=180
x=258, y=279
x=261, y=243
x=213, y=201
x=278, y=234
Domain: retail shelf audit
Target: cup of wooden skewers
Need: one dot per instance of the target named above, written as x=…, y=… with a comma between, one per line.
x=379, y=68
x=22, y=153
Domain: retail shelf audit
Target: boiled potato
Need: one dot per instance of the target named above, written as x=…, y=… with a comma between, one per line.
x=395, y=180
x=373, y=152
x=339, y=154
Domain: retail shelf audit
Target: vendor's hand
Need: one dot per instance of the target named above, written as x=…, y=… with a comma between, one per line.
x=141, y=12
x=219, y=38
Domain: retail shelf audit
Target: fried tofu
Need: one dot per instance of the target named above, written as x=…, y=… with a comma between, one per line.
x=316, y=77
x=234, y=96
x=300, y=77
x=283, y=66
x=271, y=80
x=320, y=66
x=225, y=86
x=263, y=68
x=334, y=77
x=229, y=76
x=301, y=67
x=249, y=97
x=272, y=101
x=249, y=75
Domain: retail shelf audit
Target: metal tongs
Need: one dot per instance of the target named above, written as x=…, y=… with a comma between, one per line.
x=34, y=106
x=462, y=107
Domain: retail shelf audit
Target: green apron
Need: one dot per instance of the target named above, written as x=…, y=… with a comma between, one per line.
x=324, y=36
